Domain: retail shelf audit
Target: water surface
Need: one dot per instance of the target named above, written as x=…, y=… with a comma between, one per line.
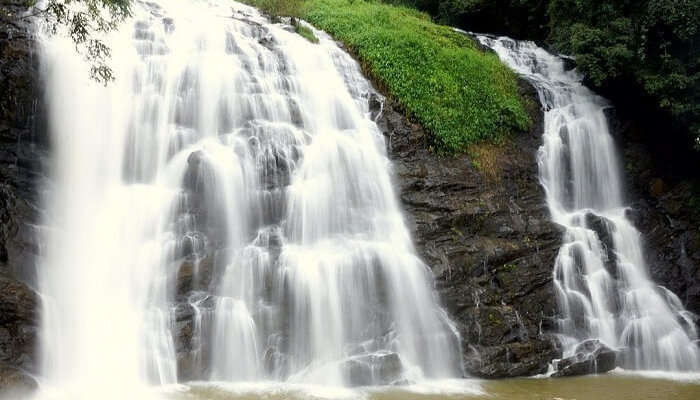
x=618, y=386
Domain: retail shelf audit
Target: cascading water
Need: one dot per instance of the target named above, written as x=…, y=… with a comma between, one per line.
x=600, y=275
x=224, y=211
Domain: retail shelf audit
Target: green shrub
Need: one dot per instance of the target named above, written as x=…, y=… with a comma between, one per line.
x=460, y=94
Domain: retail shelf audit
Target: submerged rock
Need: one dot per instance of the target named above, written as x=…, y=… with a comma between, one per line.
x=591, y=357
x=372, y=369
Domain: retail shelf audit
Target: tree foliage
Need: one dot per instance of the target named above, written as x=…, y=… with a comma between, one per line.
x=85, y=22
x=651, y=45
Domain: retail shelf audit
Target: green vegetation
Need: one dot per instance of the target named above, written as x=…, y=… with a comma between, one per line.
x=285, y=8
x=305, y=32
x=457, y=92
x=277, y=8
x=642, y=52
x=460, y=94
x=651, y=45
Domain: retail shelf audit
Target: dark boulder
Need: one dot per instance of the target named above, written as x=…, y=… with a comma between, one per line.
x=513, y=359
x=372, y=369
x=590, y=357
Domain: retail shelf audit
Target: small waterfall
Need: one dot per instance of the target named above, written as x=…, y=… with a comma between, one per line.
x=600, y=275
x=224, y=211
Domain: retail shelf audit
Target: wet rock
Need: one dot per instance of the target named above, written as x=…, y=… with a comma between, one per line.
x=511, y=360
x=276, y=363
x=665, y=193
x=168, y=24
x=591, y=357
x=187, y=345
x=604, y=230
x=376, y=103
x=19, y=307
x=357, y=372
x=372, y=369
x=23, y=151
x=194, y=274
x=23, y=142
x=487, y=236
x=15, y=383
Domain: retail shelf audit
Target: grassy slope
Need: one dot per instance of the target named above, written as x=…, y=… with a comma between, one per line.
x=460, y=94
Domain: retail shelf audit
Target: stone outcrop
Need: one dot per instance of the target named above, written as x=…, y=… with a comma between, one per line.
x=381, y=368
x=480, y=221
x=22, y=152
x=590, y=357
x=665, y=207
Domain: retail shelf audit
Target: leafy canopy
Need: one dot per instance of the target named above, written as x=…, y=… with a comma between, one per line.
x=85, y=22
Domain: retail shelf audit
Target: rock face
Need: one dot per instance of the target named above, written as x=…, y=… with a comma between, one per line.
x=666, y=209
x=22, y=147
x=19, y=307
x=590, y=357
x=22, y=152
x=15, y=383
x=480, y=221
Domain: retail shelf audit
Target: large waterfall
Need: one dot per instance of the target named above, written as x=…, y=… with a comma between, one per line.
x=600, y=276
x=224, y=211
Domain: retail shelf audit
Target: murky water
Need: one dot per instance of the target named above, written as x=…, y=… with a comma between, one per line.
x=618, y=386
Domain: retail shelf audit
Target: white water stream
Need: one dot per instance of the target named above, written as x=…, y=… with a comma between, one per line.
x=600, y=275
x=223, y=211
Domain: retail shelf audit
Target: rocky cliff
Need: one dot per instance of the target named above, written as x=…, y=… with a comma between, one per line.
x=479, y=220
x=22, y=153
x=665, y=205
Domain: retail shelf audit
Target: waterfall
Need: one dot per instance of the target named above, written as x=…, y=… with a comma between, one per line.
x=600, y=276
x=224, y=211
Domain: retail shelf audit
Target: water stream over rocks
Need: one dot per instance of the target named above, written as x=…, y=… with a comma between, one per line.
x=606, y=298
x=223, y=211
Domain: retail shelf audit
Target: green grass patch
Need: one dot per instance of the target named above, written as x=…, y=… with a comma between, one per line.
x=277, y=8
x=306, y=32
x=439, y=77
